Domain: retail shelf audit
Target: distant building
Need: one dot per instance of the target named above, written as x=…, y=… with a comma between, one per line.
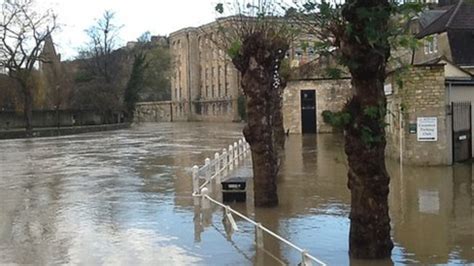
x=205, y=84
x=430, y=120
x=447, y=32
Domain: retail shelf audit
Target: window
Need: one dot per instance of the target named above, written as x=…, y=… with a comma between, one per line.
x=431, y=44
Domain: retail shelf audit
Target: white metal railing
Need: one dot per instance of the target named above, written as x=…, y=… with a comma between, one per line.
x=221, y=166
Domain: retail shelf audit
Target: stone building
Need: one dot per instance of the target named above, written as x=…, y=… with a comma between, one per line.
x=438, y=92
x=205, y=84
x=429, y=119
x=304, y=101
x=447, y=31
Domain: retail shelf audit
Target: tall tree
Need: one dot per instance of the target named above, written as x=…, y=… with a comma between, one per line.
x=103, y=69
x=23, y=32
x=135, y=84
x=156, y=81
x=102, y=42
x=257, y=42
x=359, y=33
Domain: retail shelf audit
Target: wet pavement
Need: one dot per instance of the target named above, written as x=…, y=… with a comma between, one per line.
x=124, y=198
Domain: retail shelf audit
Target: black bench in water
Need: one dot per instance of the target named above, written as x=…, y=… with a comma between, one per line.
x=234, y=189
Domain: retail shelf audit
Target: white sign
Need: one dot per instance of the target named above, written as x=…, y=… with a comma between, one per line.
x=388, y=89
x=427, y=129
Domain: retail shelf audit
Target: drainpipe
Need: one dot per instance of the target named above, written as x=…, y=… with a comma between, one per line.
x=189, y=76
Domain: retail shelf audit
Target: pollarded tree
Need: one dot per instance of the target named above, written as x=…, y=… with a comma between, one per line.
x=361, y=34
x=257, y=40
x=23, y=32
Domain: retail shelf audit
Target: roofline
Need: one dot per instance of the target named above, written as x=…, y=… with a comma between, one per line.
x=459, y=81
x=318, y=79
x=454, y=13
x=421, y=35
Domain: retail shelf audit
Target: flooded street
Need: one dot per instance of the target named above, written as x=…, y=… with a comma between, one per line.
x=124, y=198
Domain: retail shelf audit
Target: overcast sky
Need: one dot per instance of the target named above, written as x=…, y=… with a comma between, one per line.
x=160, y=17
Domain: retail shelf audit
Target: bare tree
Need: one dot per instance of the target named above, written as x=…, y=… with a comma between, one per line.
x=257, y=40
x=23, y=32
x=102, y=42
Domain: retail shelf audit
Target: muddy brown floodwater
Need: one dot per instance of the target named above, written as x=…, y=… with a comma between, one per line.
x=123, y=198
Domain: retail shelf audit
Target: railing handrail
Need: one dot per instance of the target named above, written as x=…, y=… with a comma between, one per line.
x=287, y=242
x=213, y=169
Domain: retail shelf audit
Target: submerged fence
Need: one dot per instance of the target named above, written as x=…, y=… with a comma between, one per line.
x=221, y=166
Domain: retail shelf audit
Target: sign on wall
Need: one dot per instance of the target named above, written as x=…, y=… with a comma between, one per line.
x=427, y=129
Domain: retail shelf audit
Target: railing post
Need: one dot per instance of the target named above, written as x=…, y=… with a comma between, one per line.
x=196, y=179
x=259, y=233
x=305, y=261
x=224, y=162
x=196, y=183
x=217, y=167
x=236, y=154
x=205, y=203
x=230, y=218
x=207, y=165
x=231, y=158
x=241, y=150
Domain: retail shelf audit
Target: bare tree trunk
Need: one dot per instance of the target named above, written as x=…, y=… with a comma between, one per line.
x=278, y=127
x=259, y=134
x=259, y=61
x=368, y=181
x=365, y=140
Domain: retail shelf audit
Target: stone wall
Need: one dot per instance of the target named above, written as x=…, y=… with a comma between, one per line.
x=423, y=95
x=331, y=95
x=156, y=112
x=10, y=120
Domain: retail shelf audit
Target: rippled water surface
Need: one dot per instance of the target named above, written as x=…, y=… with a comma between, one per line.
x=123, y=198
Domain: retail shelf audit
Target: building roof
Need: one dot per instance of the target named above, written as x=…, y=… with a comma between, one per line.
x=428, y=16
x=459, y=16
x=462, y=46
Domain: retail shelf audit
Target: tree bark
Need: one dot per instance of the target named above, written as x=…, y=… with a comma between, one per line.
x=278, y=127
x=258, y=62
x=259, y=134
x=369, y=236
x=366, y=57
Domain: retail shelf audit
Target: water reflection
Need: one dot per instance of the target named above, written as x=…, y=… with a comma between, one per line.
x=125, y=198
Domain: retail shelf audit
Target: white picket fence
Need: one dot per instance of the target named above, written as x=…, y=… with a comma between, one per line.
x=221, y=166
